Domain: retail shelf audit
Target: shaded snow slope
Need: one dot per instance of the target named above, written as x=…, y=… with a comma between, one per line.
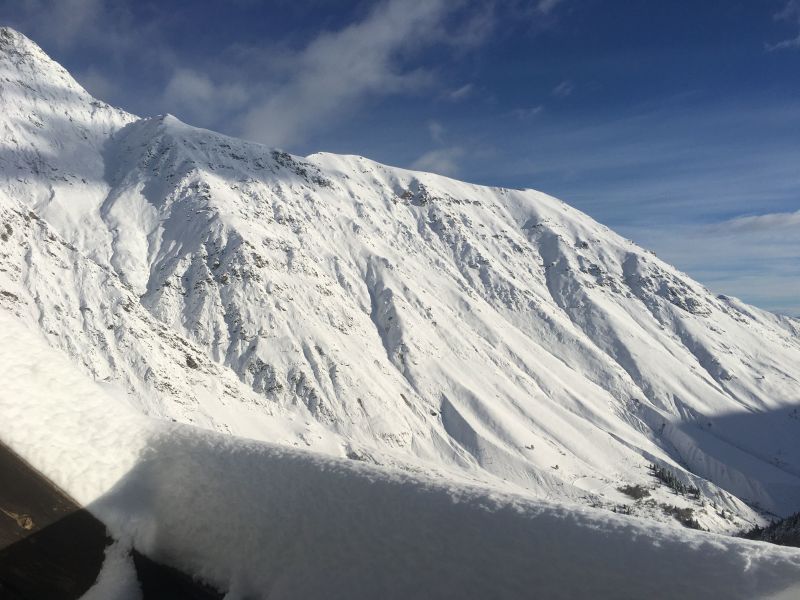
x=259, y=520
x=53, y=133
x=387, y=315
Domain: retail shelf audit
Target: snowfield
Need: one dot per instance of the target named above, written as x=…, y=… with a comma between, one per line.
x=327, y=377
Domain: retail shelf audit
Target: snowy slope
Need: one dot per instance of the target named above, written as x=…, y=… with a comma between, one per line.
x=88, y=313
x=259, y=520
x=385, y=315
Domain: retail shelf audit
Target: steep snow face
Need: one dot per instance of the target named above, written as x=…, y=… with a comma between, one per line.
x=87, y=312
x=399, y=316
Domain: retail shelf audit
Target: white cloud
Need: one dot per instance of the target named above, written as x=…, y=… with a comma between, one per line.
x=547, y=6
x=774, y=222
x=461, y=93
x=63, y=22
x=98, y=24
x=97, y=84
x=102, y=28
x=563, y=89
x=443, y=161
x=527, y=113
x=791, y=13
x=644, y=167
x=339, y=70
x=193, y=95
x=436, y=131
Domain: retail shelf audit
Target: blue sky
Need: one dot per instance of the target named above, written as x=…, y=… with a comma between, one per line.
x=677, y=123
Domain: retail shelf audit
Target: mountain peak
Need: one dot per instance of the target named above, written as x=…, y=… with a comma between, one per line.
x=53, y=134
x=12, y=37
x=18, y=48
x=37, y=79
x=37, y=76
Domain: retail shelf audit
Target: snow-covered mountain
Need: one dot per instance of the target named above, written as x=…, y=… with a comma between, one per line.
x=388, y=316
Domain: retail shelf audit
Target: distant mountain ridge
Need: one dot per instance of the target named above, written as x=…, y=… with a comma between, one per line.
x=383, y=314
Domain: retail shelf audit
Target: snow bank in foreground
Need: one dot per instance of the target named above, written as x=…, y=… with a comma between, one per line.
x=266, y=521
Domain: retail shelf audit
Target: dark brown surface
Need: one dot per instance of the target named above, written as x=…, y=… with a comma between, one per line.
x=28, y=501
x=49, y=546
x=52, y=549
x=61, y=560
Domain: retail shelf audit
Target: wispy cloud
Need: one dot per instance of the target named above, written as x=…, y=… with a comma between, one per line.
x=547, y=6
x=527, y=113
x=461, y=93
x=96, y=83
x=340, y=69
x=791, y=14
x=70, y=28
x=771, y=222
x=443, y=161
x=99, y=24
x=66, y=21
x=677, y=163
x=195, y=96
x=563, y=89
x=436, y=131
